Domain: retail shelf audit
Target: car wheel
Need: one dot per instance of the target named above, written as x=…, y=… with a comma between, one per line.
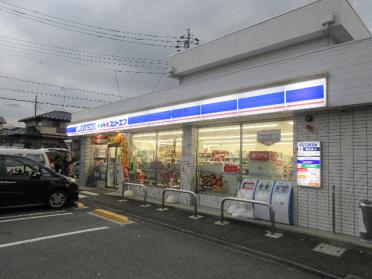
x=57, y=199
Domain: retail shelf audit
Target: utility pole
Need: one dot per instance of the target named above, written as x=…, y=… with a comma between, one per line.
x=187, y=41
x=35, y=110
x=117, y=84
x=64, y=97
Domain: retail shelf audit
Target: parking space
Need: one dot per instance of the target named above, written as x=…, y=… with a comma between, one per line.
x=19, y=227
x=72, y=243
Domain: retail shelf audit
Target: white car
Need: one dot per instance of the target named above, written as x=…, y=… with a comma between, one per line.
x=39, y=155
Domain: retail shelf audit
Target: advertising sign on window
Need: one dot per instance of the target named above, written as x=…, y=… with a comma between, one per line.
x=268, y=137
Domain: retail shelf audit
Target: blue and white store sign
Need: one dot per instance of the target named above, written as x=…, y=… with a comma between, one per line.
x=296, y=96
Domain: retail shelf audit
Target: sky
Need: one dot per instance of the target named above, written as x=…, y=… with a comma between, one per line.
x=75, y=54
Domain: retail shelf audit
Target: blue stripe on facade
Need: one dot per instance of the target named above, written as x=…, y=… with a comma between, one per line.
x=150, y=117
x=305, y=94
x=71, y=130
x=262, y=100
x=219, y=107
x=183, y=112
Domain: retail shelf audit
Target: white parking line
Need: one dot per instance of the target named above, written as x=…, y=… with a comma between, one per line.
x=31, y=214
x=89, y=193
x=34, y=217
x=51, y=236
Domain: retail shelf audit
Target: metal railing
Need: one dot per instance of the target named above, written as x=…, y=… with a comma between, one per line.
x=144, y=187
x=195, y=216
x=272, y=211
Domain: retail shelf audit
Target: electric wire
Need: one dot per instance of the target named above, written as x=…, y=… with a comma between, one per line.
x=94, y=53
x=50, y=94
x=81, y=30
x=73, y=56
x=44, y=103
x=87, y=25
x=57, y=86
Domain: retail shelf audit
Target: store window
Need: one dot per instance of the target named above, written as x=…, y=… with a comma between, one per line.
x=268, y=150
x=219, y=158
x=169, y=158
x=266, y=153
x=156, y=158
x=99, y=145
x=143, y=159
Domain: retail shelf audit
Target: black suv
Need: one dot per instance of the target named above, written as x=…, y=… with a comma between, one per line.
x=24, y=181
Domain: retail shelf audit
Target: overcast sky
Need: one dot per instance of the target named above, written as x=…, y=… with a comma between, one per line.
x=38, y=48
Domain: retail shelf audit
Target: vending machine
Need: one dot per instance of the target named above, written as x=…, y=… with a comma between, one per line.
x=263, y=193
x=244, y=209
x=282, y=202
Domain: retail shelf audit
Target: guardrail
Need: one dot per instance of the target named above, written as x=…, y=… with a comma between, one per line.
x=144, y=187
x=272, y=211
x=195, y=216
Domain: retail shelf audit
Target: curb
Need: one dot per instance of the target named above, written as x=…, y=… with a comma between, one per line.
x=119, y=218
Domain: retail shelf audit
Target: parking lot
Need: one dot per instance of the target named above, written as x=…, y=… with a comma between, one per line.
x=73, y=243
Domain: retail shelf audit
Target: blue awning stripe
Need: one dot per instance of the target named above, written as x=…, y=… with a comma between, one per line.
x=150, y=117
x=262, y=100
x=184, y=112
x=219, y=107
x=305, y=94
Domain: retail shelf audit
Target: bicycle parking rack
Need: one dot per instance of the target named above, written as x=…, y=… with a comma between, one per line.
x=163, y=208
x=144, y=187
x=222, y=221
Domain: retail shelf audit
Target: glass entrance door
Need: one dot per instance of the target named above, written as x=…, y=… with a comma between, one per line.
x=113, y=167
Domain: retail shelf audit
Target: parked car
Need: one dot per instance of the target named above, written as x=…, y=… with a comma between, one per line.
x=25, y=181
x=45, y=156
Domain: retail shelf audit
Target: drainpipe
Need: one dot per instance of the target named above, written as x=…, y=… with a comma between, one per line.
x=327, y=22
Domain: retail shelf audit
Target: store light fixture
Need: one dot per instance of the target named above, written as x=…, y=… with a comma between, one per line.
x=144, y=141
x=135, y=136
x=206, y=130
x=290, y=122
x=170, y=133
x=259, y=126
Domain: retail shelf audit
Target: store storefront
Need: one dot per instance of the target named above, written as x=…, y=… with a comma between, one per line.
x=269, y=103
x=215, y=147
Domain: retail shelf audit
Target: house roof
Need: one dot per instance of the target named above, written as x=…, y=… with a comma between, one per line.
x=28, y=131
x=56, y=115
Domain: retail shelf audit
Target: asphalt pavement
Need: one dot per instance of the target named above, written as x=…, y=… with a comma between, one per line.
x=292, y=249
x=73, y=243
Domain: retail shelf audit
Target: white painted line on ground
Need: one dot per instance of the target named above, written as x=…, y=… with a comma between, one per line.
x=34, y=217
x=89, y=193
x=32, y=214
x=82, y=196
x=51, y=236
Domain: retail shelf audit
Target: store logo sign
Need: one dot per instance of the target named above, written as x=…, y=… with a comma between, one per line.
x=295, y=96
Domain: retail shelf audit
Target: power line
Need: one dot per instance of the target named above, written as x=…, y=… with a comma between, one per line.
x=73, y=59
x=94, y=53
x=87, y=25
x=58, y=86
x=81, y=30
x=49, y=94
x=72, y=56
x=44, y=103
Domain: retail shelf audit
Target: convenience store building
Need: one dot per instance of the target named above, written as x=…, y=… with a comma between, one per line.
x=243, y=103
